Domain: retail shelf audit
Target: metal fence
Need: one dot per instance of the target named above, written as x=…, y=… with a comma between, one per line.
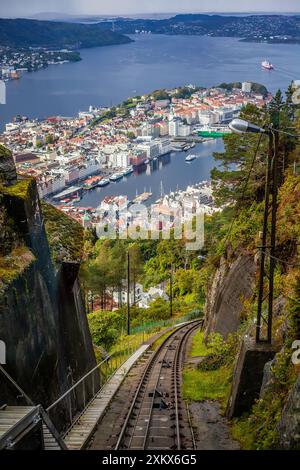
x=73, y=403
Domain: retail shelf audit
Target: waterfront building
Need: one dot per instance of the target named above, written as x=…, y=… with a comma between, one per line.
x=164, y=146
x=150, y=147
x=122, y=160
x=174, y=127
x=184, y=130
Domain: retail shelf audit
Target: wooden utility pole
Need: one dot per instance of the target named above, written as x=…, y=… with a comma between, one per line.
x=128, y=293
x=171, y=291
x=268, y=244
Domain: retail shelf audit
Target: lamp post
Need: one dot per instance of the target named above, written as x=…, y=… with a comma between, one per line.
x=240, y=127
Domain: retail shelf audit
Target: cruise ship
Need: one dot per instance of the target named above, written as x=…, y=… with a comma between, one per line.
x=267, y=65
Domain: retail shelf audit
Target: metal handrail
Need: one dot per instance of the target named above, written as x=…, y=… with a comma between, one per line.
x=78, y=383
x=105, y=360
x=27, y=398
x=86, y=376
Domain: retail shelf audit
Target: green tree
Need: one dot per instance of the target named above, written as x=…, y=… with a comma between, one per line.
x=229, y=178
x=106, y=327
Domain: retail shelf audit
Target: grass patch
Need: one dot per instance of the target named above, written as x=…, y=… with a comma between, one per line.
x=161, y=339
x=198, y=346
x=240, y=430
x=200, y=384
x=207, y=385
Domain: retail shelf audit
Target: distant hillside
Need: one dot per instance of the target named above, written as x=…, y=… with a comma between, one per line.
x=23, y=33
x=258, y=28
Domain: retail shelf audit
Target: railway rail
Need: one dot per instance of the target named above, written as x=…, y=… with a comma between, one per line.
x=158, y=418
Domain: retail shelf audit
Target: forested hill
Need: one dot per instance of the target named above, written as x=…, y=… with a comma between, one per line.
x=267, y=28
x=23, y=33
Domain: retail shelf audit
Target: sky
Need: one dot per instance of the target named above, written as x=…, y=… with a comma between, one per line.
x=77, y=7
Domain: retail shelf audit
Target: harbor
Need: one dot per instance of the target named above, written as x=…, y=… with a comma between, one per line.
x=160, y=176
x=180, y=204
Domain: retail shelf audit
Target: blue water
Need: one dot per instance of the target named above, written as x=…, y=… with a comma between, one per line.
x=108, y=75
x=163, y=175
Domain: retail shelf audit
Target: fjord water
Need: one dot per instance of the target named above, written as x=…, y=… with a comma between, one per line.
x=108, y=75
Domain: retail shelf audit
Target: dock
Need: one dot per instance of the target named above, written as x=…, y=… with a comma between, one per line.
x=142, y=198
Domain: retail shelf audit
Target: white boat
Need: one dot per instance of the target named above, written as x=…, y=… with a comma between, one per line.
x=128, y=171
x=190, y=158
x=103, y=182
x=116, y=177
x=267, y=65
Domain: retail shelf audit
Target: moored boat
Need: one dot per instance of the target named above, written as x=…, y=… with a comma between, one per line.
x=116, y=177
x=127, y=171
x=190, y=158
x=103, y=182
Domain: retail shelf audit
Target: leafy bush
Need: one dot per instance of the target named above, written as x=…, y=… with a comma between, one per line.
x=106, y=327
x=221, y=352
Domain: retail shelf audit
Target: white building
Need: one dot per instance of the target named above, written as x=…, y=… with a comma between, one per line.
x=246, y=87
x=227, y=114
x=164, y=146
x=208, y=118
x=153, y=293
x=121, y=297
x=150, y=147
x=174, y=127
x=184, y=130
x=122, y=160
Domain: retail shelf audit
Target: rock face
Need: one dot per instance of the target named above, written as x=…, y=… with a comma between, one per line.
x=8, y=174
x=232, y=284
x=42, y=317
x=289, y=425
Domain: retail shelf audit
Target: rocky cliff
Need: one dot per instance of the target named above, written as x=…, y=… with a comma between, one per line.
x=232, y=284
x=289, y=425
x=42, y=316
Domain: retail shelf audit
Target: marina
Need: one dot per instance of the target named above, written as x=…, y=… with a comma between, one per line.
x=162, y=174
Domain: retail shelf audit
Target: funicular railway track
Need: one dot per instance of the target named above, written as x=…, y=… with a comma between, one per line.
x=158, y=417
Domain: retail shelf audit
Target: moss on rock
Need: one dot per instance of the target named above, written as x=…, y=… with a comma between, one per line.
x=65, y=235
x=8, y=174
x=14, y=264
x=5, y=152
x=20, y=190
